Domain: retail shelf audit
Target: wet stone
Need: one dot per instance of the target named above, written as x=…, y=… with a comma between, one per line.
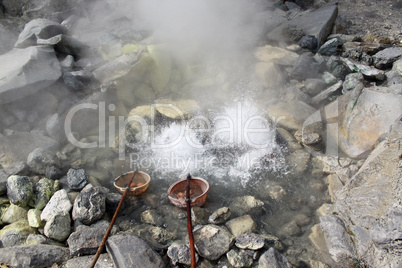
x=246, y=205
x=220, y=216
x=250, y=241
x=77, y=178
x=241, y=225
x=199, y=215
x=20, y=190
x=240, y=258
x=152, y=216
x=272, y=258
x=273, y=242
x=180, y=253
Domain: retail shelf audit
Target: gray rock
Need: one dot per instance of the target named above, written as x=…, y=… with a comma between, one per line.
x=299, y=161
x=393, y=78
x=90, y=205
x=326, y=94
x=309, y=42
x=86, y=240
x=273, y=259
x=18, y=168
x=337, y=239
x=104, y=261
x=305, y=67
x=152, y=216
x=65, y=44
x=329, y=78
x=220, y=216
x=313, y=86
x=386, y=57
x=39, y=66
x=59, y=202
x=180, y=253
x=39, y=159
x=240, y=258
x=246, y=205
x=112, y=201
x=276, y=55
x=77, y=178
x=250, y=241
x=58, y=227
x=329, y=48
x=38, y=29
x=20, y=190
x=34, y=256
x=3, y=181
x=14, y=213
x=199, y=215
x=290, y=229
x=241, y=225
x=53, y=173
x=16, y=233
x=212, y=241
x=120, y=248
x=43, y=191
x=55, y=128
x=367, y=71
x=269, y=74
x=352, y=81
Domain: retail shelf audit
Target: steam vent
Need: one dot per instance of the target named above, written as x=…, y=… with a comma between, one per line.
x=201, y=133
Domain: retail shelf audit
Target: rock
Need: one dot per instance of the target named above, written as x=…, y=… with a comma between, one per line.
x=43, y=191
x=301, y=220
x=151, y=216
x=120, y=250
x=316, y=238
x=77, y=178
x=318, y=264
x=397, y=67
x=288, y=139
x=58, y=227
x=180, y=253
x=59, y=202
x=104, y=261
x=329, y=48
x=250, y=241
x=276, y=192
x=20, y=190
x=317, y=23
x=77, y=80
x=352, y=81
x=290, y=229
x=14, y=213
x=112, y=201
x=220, y=216
x=55, y=128
x=39, y=66
x=39, y=159
x=34, y=218
x=34, y=256
x=273, y=259
x=269, y=74
x=273, y=241
x=393, y=78
x=313, y=86
x=289, y=33
x=53, y=173
x=38, y=29
x=311, y=140
x=305, y=67
x=299, y=160
x=357, y=132
x=329, y=78
x=276, y=55
x=199, y=215
x=367, y=71
x=212, y=241
x=90, y=205
x=179, y=109
x=309, y=42
x=16, y=233
x=337, y=239
x=246, y=205
x=65, y=44
x=240, y=258
x=386, y=57
x=85, y=240
x=241, y=225
x=3, y=182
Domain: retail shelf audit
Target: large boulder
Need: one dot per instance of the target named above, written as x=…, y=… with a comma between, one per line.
x=25, y=71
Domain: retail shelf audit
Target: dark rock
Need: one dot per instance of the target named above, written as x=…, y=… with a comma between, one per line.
x=220, y=216
x=39, y=159
x=38, y=29
x=53, y=173
x=367, y=71
x=240, y=258
x=43, y=191
x=120, y=248
x=77, y=178
x=112, y=201
x=76, y=80
x=329, y=48
x=59, y=202
x=34, y=255
x=39, y=66
x=85, y=240
x=180, y=253
x=309, y=42
x=89, y=205
x=386, y=57
x=273, y=259
x=20, y=190
x=305, y=67
x=65, y=44
x=85, y=261
x=3, y=182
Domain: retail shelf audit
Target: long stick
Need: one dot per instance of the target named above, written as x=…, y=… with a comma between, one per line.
x=102, y=244
x=189, y=224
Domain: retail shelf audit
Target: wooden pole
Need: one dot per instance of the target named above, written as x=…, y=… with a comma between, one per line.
x=189, y=224
x=102, y=244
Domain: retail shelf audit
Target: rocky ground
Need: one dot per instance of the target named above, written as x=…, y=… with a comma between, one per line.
x=328, y=76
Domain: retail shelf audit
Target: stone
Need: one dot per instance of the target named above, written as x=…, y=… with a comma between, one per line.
x=90, y=205
x=288, y=139
x=317, y=23
x=65, y=44
x=329, y=78
x=384, y=58
x=276, y=55
x=290, y=229
x=273, y=259
x=20, y=190
x=15, y=233
x=77, y=178
x=318, y=264
x=357, y=132
x=305, y=67
x=220, y=216
x=38, y=29
x=241, y=225
x=246, y=205
x=329, y=48
x=397, y=67
x=104, y=261
x=180, y=253
x=3, y=182
x=311, y=140
x=39, y=66
x=199, y=215
x=273, y=241
x=309, y=42
x=352, y=81
x=393, y=78
x=337, y=239
x=250, y=241
x=85, y=240
x=298, y=160
x=177, y=109
x=34, y=256
x=212, y=241
x=320, y=98
x=53, y=173
x=59, y=202
x=313, y=86
x=58, y=227
x=43, y=191
x=55, y=128
x=14, y=213
x=152, y=216
x=120, y=248
x=269, y=74
x=34, y=218
x=276, y=192
x=240, y=258
x=39, y=159
x=301, y=220
x=367, y=71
